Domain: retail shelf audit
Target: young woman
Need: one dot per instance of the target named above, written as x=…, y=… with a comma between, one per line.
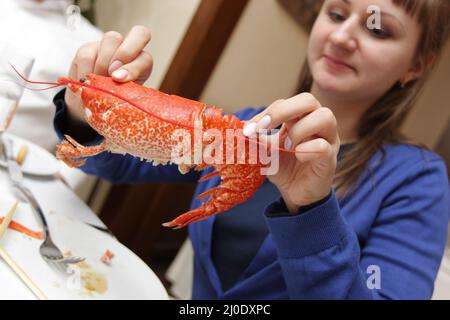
x=366, y=218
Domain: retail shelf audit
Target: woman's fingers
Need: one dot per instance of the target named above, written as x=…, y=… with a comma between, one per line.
x=73, y=70
x=108, y=46
x=283, y=111
x=319, y=123
x=85, y=59
x=130, y=49
x=139, y=69
x=303, y=119
x=314, y=149
x=135, y=42
x=123, y=59
x=292, y=108
x=82, y=64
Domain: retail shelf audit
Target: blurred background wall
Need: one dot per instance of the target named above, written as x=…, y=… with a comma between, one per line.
x=431, y=115
x=262, y=60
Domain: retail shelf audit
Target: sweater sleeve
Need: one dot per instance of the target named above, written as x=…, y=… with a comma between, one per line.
x=117, y=168
x=321, y=257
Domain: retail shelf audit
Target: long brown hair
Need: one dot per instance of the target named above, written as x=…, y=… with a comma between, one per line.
x=381, y=124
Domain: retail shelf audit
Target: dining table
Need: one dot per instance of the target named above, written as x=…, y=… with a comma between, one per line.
x=75, y=227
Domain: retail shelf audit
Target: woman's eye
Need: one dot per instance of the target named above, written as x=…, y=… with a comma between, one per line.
x=336, y=17
x=379, y=33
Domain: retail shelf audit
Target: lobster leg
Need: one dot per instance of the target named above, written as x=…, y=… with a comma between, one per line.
x=69, y=152
x=209, y=208
x=239, y=184
x=71, y=163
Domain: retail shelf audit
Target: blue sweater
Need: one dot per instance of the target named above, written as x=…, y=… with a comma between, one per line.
x=384, y=241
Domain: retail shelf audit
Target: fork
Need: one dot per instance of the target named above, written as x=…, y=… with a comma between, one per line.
x=48, y=250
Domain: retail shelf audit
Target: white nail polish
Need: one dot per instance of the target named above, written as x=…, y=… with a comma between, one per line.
x=114, y=66
x=263, y=123
x=249, y=129
x=120, y=74
x=288, y=143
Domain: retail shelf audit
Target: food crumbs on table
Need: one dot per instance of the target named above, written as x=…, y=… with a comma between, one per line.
x=22, y=154
x=67, y=253
x=107, y=257
x=94, y=282
x=83, y=265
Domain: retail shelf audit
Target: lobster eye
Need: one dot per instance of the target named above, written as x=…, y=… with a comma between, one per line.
x=82, y=80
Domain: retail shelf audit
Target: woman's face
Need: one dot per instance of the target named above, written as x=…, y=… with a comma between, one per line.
x=350, y=58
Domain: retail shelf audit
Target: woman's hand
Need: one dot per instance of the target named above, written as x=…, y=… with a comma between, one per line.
x=123, y=58
x=302, y=178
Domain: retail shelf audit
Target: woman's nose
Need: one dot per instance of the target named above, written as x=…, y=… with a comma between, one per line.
x=344, y=35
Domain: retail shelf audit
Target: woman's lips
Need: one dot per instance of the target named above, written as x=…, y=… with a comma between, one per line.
x=336, y=64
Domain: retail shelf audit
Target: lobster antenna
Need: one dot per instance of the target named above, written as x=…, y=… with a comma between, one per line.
x=28, y=88
x=42, y=89
x=53, y=84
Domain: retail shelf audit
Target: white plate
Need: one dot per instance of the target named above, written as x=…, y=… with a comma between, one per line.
x=38, y=162
x=127, y=277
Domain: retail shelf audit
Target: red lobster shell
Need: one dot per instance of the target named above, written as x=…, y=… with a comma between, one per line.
x=143, y=122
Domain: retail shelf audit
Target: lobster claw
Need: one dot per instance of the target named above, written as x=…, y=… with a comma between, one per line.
x=71, y=152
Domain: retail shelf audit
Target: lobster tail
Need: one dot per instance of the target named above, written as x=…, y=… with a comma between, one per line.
x=239, y=183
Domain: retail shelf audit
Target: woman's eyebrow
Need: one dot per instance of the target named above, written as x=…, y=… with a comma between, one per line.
x=395, y=18
x=383, y=13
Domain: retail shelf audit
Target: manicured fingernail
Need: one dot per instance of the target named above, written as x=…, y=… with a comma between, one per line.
x=114, y=66
x=288, y=143
x=120, y=74
x=263, y=123
x=249, y=129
